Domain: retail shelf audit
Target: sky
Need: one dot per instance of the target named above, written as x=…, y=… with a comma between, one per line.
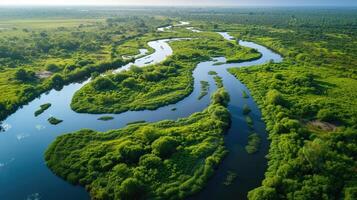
x=186, y=2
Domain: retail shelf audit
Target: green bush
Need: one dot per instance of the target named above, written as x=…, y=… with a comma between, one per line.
x=57, y=81
x=53, y=67
x=263, y=193
x=144, y=161
x=103, y=83
x=132, y=188
x=164, y=146
x=274, y=97
x=246, y=109
x=326, y=115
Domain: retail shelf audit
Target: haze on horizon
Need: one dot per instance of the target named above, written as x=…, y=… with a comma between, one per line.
x=183, y=2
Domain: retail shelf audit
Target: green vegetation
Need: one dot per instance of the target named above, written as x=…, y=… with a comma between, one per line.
x=286, y=106
x=54, y=121
x=165, y=160
x=38, y=55
x=212, y=73
x=246, y=109
x=204, y=89
x=153, y=86
x=245, y=95
x=249, y=121
x=242, y=56
x=218, y=81
x=137, y=122
x=253, y=143
x=42, y=109
x=219, y=63
x=106, y=118
x=231, y=177
x=314, y=86
x=316, y=81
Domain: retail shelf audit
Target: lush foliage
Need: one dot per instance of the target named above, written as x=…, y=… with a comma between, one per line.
x=306, y=161
x=163, y=160
x=153, y=86
x=38, y=55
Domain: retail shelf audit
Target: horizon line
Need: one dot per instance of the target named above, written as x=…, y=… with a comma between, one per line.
x=166, y=5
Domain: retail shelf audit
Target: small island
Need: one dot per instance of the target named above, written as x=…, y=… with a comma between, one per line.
x=105, y=118
x=54, y=121
x=42, y=109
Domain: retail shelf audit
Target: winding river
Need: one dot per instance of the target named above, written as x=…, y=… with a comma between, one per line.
x=23, y=172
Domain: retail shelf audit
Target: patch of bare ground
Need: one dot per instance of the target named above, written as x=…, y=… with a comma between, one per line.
x=321, y=126
x=44, y=74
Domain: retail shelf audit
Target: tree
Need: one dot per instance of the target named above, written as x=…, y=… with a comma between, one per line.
x=262, y=193
x=164, y=146
x=221, y=97
x=23, y=75
x=132, y=188
x=129, y=83
x=131, y=152
x=57, y=81
x=103, y=83
x=274, y=97
x=326, y=115
x=136, y=69
x=150, y=161
x=52, y=67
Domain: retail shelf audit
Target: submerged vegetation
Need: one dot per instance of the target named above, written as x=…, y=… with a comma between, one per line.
x=253, y=143
x=165, y=160
x=246, y=109
x=245, y=95
x=231, y=177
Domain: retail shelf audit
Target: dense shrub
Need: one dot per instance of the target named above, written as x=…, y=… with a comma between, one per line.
x=53, y=67
x=144, y=161
x=326, y=115
x=103, y=83
x=274, y=97
x=164, y=146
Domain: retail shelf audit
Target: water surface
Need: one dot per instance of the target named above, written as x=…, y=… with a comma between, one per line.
x=24, y=175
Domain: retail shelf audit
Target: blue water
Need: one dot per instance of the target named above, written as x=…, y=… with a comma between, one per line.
x=24, y=175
